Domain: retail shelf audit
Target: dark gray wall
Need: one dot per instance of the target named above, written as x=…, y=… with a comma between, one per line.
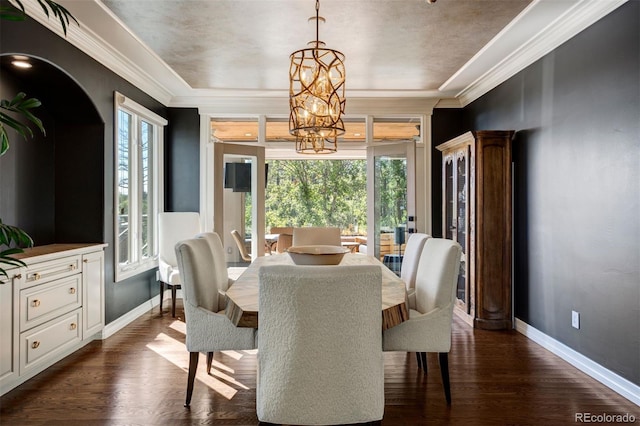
x=577, y=188
x=27, y=165
x=46, y=168
x=28, y=187
x=182, y=161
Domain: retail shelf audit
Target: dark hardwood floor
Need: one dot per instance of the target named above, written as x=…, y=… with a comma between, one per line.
x=138, y=377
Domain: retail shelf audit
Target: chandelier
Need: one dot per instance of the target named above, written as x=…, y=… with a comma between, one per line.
x=316, y=96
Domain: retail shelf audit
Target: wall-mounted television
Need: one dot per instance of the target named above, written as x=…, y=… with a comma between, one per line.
x=237, y=176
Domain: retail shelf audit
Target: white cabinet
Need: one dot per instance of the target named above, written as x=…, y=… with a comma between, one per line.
x=50, y=308
x=93, y=293
x=9, y=368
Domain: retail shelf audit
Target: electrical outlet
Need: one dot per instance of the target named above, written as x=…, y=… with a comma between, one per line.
x=575, y=319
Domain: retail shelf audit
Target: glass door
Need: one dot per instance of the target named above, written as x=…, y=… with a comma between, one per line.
x=456, y=212
x=390, y=201
x=239, y=191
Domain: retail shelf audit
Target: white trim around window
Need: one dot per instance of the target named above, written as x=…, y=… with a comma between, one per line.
x=138, y=186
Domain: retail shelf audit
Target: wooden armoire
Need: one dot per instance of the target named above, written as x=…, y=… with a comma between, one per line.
x=477, y=213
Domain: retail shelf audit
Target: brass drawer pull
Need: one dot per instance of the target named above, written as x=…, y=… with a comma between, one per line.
x=73, y=326
x=35, y=345
x=15, y=277
x=73, y=267
x=72, y=290
x=86, y=261
x=36, y=276
x=35, y=303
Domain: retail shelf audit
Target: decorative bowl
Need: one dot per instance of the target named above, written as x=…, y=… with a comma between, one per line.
x=317, y=255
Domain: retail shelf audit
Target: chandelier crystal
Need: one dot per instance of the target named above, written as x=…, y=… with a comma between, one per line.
x=316, y=96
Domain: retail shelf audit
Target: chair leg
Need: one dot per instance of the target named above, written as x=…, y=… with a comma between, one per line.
x=161, y=295
x=173, y=300
x=193, y=366
x=423, y=356
x=444, y=371
x=419, y=360
x=209, y=361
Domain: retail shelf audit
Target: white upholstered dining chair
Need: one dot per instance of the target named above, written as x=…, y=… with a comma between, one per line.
x=221, y=274
x=173, y=227
x=312, y=235
x=431, y=308
x=320, y=350
x=410, y=259
x=208, y=328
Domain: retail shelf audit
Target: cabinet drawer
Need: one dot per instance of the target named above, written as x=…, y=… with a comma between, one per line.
x=47, y=301
x=42, y=272
x=40, y=345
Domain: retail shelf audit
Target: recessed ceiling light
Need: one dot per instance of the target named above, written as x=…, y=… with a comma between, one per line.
x=247, y=134
x=20, y=63
x=357, y=134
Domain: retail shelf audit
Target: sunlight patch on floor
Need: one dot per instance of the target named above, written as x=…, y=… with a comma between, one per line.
x=233, y=354
x=221, y=366
x=227, y=378
x=176, y=353
x=179, y=326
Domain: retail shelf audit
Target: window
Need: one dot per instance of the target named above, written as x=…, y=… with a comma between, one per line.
x=138, y=187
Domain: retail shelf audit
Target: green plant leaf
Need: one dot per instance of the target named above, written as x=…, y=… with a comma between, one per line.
x=19, y=127
x=4, y=141
x=12, y=235
x=18, y=4
x=21, y=105
x=6, y=260
x=12, y=239
x=18, y=13
x=59, y=12
x=15, y=12
x=11, y=14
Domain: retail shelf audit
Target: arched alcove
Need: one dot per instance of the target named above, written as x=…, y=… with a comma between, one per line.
x=52, y=186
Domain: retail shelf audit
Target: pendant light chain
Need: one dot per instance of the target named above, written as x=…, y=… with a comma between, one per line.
x=317, y=23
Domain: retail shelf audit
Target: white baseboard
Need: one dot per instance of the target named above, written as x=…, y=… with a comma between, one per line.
x=619, y=384
x=114, y=326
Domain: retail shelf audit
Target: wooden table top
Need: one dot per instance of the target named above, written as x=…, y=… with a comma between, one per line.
x=242, y=296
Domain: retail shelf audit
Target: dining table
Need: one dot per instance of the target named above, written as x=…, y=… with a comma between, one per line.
x=242, y=296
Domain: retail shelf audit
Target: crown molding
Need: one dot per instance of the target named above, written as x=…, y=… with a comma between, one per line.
x=525, y=40
x=89, y=42
x=575, y=19
x=448, y=103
